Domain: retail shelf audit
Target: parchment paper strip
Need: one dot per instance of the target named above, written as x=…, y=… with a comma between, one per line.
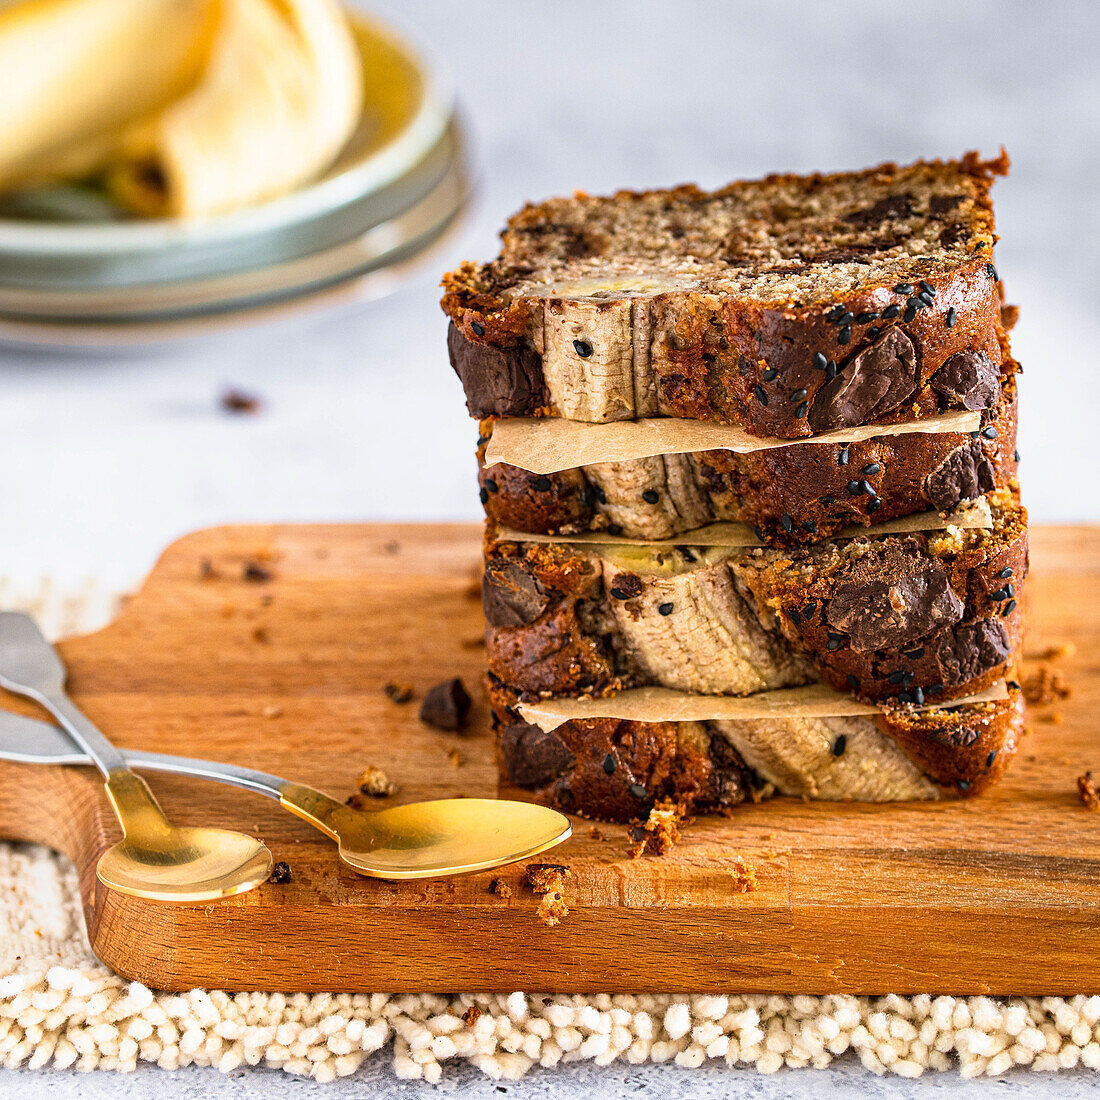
x=545, y=445
x=973, y=515
x=655, y=704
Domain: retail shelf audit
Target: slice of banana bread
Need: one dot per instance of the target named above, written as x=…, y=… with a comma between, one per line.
x=791, y=495
x=612, y=769
x=922, y=616
x=789, y=305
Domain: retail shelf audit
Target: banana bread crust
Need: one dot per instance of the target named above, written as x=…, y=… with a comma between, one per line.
x=865, y=347
x=615, y=770
x=931, y=616
x=790, y=495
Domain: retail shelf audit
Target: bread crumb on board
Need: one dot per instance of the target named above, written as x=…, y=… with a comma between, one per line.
x=398, y=693
x=743, y=874
x=660, y=831
x=1044, y=686
x=548, y=879
x=1089, y=791
x=499, y=887
x=373, y=783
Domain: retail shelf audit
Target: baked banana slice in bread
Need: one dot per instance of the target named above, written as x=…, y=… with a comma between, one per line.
x=918, y=617
x=790, y=305
x=614, y=769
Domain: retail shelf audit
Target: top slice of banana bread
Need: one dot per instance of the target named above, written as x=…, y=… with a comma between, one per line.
x=789, y=305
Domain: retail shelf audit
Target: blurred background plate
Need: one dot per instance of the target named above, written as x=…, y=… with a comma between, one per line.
x=73, y=270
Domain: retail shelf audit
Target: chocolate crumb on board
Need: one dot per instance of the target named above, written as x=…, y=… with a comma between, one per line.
x=280, y=873
x=446, y=705
x=594, y=832
x=743, y=874
x=1056, y=652
x=207, y=572
x=472, y=1015
x=548, y=879
x=237, y=401
x=260, y=634
x=399, y=693
x=456, y=758
x=1044, y=686
x=375, y=782
x=256, y=573
x=660, y=831
x=1089, y=792
x=499, y=887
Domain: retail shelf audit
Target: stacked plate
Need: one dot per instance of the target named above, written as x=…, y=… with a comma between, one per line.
x=75, y=271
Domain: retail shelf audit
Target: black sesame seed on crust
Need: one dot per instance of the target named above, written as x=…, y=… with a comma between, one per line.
x=583, y=348
x=1008, y=609
x=770, y=374
x=934, y=689
x=820, y=361
x=491, y=485
x=761, y=396
x=963, y=785
x=845, y=335
x=609, y=764
x=835, y=641
x=846, y=318
x=802, y=410
x=842, y=458
x=913, y=654
x=651, y=496
x=853, y=681
x=483, y=495
x=918, y=696
x=835, y=314
x=990, y=432
x=1016, y=456
x=795, y=614
x=926, y=298
x=637, y=790
x=855, y=488
x=1000, y=594
x=910, y=312
x=990, y=758
x=614, y=529
x=891, y=311
x=868, y=488
x=903, y=288
x=866, y=318
x=950, y=319
x=840, y=744
x=1005, y=573
x=830, y=370
x=664, y=609
x=927, y=288
x=619, y=594
x=872, y=468
x=787, y=522
x=874, y=505
x=897, y=676
x=479, y=329
x=541, y=484
x=872, y=332
x=809, y=610
x=809, y=526
x=991, y=271
x=798, y=395
x=904, y=697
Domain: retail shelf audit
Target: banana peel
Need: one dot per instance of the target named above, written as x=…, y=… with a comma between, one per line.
x=251, y=99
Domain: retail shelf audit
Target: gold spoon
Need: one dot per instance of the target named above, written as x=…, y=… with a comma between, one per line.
x=155, y=859
x=419, y=840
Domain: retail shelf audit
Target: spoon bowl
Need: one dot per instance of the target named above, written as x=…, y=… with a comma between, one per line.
x=186, y=865
x=446, y=836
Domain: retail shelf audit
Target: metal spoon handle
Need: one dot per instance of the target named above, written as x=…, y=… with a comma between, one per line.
x=81, y=729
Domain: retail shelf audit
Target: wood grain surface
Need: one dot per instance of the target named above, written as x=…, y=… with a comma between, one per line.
x=1000, y=894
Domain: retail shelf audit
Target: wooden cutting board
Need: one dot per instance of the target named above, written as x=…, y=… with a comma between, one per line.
x=999, y=895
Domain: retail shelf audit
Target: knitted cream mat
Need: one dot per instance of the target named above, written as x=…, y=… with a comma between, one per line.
x=60, y=1006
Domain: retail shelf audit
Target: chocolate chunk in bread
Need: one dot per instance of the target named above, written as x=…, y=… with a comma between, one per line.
x=889, y=596
x=968, y=380
x=971, y=649
x=964, y=474
x=533, y=757
x=511, y=596
x=875, y=381
x=505, y=381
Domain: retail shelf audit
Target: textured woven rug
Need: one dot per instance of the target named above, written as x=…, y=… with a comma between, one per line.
x=59, y=1006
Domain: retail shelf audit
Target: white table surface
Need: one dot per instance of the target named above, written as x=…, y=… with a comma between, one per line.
x=110, y=456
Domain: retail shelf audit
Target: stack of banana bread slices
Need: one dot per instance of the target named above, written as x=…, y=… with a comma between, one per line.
x=748, y=464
